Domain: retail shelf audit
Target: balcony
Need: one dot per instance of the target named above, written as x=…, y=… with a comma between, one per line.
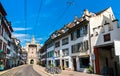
x=5, y=35
x=8, y=56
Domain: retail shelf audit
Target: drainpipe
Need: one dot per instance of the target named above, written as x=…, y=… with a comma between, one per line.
x=91, y=60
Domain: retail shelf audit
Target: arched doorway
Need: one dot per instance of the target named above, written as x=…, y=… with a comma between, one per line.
x=31, y=61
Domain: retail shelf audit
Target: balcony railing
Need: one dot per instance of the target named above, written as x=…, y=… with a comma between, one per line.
x=6, y=36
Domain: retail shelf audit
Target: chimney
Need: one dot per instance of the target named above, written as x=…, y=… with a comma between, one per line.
x=86, y=12
x=75, y=17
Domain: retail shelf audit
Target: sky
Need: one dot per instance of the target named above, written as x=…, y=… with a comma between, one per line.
x=42, y=17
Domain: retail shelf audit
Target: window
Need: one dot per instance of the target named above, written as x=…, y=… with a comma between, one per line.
x=78, y=33
x=81, y=32
x=50, y=45
x=80, y=47
x=50, y=54
x=67, y=64
x=0, y=29
x=65, y=52
x=107, y=37
x=74, y=35
x=0, y=44
x=65, y=41
x=32, y=52
x=57, y=44
x=84, y=62
x=0, y=17
x=85, y=30
x=102, y=29
x=57, y=53
x=86, y=45
x=75, y=48
x=8, y=51
x=4, y=47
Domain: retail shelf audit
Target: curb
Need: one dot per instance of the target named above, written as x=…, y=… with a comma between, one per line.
x=42, y=70
x=2, y=72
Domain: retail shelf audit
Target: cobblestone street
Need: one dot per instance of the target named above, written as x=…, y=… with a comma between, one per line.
x=27, y=70
x=24, y=70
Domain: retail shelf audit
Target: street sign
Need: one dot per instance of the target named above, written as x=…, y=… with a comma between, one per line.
x=93, y=57
x=117, y=47
x=53, y=58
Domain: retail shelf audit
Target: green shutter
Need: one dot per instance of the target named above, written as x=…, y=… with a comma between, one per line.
x=1, y=50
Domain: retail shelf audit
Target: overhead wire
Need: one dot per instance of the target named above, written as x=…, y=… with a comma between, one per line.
x=37, y=18
x=25, y=17
x=63, y=13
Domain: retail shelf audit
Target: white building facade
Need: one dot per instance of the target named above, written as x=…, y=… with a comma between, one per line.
x=91, y=40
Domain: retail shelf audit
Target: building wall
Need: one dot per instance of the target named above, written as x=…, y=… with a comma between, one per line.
x=97, y=39
x=32, y=54
x=99, y=25
x=71, y=55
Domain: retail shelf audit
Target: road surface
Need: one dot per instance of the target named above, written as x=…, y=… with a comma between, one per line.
x=26, y=70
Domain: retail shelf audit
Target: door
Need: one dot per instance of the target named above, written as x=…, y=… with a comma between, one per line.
x=74, y=64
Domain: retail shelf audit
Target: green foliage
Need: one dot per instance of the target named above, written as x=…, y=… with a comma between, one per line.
x=1, y=62
x=90, y=69
x=38, y=62
x=51, y=65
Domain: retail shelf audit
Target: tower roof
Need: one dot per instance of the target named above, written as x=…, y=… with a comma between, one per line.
x=33, y=40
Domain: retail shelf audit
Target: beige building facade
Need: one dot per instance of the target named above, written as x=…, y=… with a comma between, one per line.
x=32, y=51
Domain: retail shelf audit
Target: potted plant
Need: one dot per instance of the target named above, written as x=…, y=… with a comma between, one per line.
x=90, y=69
x=1, y=65
x=63, y=67
x=51, y=65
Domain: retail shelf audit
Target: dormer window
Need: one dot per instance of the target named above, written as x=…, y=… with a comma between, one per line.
x=95, y=31
x=105, y=21
x=110, y=27
x=102, y=29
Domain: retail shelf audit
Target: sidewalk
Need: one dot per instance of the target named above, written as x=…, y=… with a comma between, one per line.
x=40, y=69
x=1, y=72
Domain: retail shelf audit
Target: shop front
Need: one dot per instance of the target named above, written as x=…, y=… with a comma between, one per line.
x=106, y=62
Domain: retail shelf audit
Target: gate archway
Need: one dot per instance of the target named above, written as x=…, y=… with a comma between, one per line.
x=31, y=61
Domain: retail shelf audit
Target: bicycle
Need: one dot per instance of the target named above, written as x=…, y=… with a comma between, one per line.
x=53, y=70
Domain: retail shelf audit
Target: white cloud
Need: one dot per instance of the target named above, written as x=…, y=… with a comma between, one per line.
x=20, y=29
x=39, y=39
x=20, y=35
x=41, y=45
x=28, y=40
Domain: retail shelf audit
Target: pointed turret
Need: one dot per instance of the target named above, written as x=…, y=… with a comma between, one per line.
x=33, y=40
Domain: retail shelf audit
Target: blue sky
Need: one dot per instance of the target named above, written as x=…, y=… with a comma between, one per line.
x=45, y=16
